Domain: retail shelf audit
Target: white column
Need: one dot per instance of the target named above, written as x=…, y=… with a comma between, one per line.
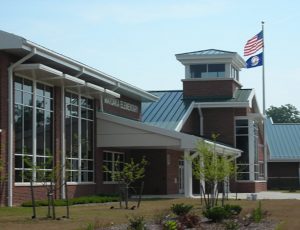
x=63, y=148
x=188, y=179
x=187, y=72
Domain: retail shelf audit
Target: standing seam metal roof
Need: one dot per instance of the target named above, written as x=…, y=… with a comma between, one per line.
x=283, y=140
x=169, y=110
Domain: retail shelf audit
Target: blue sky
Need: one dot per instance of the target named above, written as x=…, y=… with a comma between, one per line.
x=135, y=41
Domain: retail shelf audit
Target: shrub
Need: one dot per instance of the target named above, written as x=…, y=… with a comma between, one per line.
x=78, y=200
x=136, y=223
x=231, y=225
x=233, y=210
x=216, y=214
x=189, y=220
x=170, y=225
x=181, y=209
x=257, y=213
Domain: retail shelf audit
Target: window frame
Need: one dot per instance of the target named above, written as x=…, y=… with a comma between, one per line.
x=113, y=163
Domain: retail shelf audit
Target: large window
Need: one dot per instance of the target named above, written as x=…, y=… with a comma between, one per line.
x=242, y=143
x=207, y=70
x=33, y=130
x=109, y=162
x=79, y=123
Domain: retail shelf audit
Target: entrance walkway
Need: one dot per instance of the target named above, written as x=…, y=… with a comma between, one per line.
x=269, y=195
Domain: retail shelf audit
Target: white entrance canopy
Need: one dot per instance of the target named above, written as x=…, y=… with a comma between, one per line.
x=114, y=131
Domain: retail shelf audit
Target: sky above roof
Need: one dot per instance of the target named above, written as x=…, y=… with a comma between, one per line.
x=136, y=41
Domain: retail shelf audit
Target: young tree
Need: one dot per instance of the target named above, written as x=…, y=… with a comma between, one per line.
x=213, y=169
x=284, y=114
x=128, y=173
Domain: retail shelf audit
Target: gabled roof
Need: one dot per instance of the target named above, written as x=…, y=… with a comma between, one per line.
x=171, y=108
x=283, y=141
x=207, y=52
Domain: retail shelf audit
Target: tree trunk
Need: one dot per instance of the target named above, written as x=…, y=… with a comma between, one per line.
x=32, y=200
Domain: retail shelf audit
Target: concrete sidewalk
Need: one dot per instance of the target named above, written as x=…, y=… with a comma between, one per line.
x=269, y=195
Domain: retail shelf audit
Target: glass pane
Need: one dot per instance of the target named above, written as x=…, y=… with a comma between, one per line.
x=90, y=114
x=40, y=162
x=18, y=162
x=243, y=122
x=84, y=176
x=84, y=165
x=28, y=162
x=18, y=128
x=18, y=176
x=18, y=97
x=27, y=99
x=90, y=165
x=90, y=140
x=84, y=139
x=49, y=133
x=75, y=137
x=90, y=104
x=48, y=91
x=84, y=102
x=90, y=176
x=74, y=164
x=48, y=104
x=74, y=110
x=74, y=176
x=242, y=130
x=198, y=70
x=48, y=163
x=27, y=175
x=216, y=68
x=28, y=129
x=18, y=83
x=84, y=113
x=107, y=156
x=68, y=136
x=40, y=89
x=39, y=102
x=27, y=85
x=74, y=99
x=67, y=98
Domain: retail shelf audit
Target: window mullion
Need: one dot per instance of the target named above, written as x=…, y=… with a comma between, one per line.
x=79, y=138
x=34, y=132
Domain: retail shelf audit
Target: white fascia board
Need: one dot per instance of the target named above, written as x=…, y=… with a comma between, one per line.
x=112, y=93
x=95, y=87
x=251, y=96
x=185, y=117
x=222, y=104
x=51, y=55
x=74, y=79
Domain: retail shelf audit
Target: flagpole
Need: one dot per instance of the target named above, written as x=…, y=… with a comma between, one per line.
x=264, y=103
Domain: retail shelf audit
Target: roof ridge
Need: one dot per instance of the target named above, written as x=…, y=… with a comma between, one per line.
x=225, y=51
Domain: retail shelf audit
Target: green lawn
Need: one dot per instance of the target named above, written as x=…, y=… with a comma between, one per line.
x=286, y=211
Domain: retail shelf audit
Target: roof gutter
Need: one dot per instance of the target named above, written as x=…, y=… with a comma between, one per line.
x=10, y=124
x=71, y=63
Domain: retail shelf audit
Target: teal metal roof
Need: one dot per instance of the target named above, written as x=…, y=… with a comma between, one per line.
x=169, y=110
x=283, y=140
x=208, y=52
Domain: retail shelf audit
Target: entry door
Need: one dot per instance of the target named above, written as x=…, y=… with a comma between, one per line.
x=181, y=176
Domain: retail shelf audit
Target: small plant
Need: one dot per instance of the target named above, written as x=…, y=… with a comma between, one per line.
x=189, y=220
x=233, y=210
x=136, y=223
x=170, y=225
x=216, y=214
x=257, y=213
x=181, y=209
x=231, y=225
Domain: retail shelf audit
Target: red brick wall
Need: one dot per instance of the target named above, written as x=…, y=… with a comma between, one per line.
x=173, y=171
x=192, y=125
x=4, y=63
x=283, y=169
x=124, y=113
x=217, y=88
x=248, y=187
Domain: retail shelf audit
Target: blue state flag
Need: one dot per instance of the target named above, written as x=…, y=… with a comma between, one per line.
x=254, y=61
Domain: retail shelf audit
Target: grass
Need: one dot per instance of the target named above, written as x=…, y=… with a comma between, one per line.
x=285, y=212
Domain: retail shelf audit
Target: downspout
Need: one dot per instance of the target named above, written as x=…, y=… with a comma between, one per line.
x=10, y=124
x=201, y=120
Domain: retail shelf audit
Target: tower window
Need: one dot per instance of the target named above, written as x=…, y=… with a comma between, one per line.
x=207, y=70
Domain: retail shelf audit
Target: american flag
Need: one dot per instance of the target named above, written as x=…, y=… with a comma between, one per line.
x=254, y=44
